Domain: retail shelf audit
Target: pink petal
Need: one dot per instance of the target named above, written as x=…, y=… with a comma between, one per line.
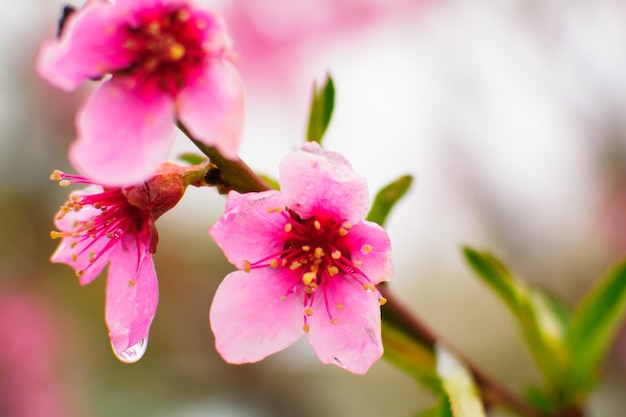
x=212, y=107
x=247, y=231
x=132, y=294
x=123, y=135
x=315, y=181
x=90, y=46
x=354, y=343
x=376, y=264
x=248, y=318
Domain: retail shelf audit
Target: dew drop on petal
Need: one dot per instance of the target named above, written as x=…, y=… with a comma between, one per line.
x=133, y=353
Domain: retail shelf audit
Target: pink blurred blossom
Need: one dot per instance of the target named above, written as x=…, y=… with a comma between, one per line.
x=168, y=60
x=32, y=340
x=277, y=40
x=115, y=226
x=308, y=264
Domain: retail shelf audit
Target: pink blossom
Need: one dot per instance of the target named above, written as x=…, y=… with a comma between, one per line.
x=115, y=226
x=168, y=60
x=308, y=264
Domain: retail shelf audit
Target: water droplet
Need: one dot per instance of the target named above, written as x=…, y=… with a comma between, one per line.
x=133, y=353
x=338, y=362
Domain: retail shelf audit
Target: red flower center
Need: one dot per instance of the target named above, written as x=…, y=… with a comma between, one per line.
x=167, y=44
x=317, y=251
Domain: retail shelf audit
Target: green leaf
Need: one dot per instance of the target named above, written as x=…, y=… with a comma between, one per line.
x=594, y=324
x=441, y=409
x=387, y=197
x=271, y=181
x=542, y=319
x=192, y=158
x=322, y=105
x=459, y=385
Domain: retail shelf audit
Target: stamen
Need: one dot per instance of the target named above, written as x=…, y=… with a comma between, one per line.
x=288, y=227
x=367, y=248
x=336, y=254
x=283, y=298
x=306, y=248
x=295, y=265
x=131, y=283
x=319, y=252
x=317, y=225
x=369, y=287
x=339, y=306
x=56, y=175
x=176, y=51
x=334, y=321
x=246, y=265
x=382, y=301
x=274, y=263
x=308, y=278
x=306, y=328
x=308, y=311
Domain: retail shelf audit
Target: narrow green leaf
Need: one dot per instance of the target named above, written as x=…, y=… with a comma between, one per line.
x=322, y=105
x=441, y=409
x=459, y=385
x=542, y=319
x=192, y=158
x=594, y=324
x=272, y=182
x=387, y=197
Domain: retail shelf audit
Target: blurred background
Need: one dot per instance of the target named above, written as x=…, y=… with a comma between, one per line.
x=511, y=114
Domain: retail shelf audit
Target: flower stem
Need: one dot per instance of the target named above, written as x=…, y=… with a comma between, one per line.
x=238, y=176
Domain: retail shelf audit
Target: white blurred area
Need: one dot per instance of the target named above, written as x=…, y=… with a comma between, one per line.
x=510, y=114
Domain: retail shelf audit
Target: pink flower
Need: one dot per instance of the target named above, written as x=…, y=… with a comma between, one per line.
x=308, y=264
x=168, y=59
x=115, y=226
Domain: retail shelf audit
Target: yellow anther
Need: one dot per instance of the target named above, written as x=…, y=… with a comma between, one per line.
x=73, y=245
x=283, y=298
x=306, y=328
x=346, y=225
x=308, y=278
x=332, y=270
x=153, y=27
x=339, y=306
x=55, y=235
x=74, y=257
x=270, y=210
x=317, y=225
x=92, y=257
x=283, y=262
x=369, y=287
x=176, y=51
x=382, y=301
x=319, y=252
x=246, y=265
x=308, y=311
x=183, y=15
x=80, y=273
x=56, y=175
x=334, y=321
x=274, y=263
x=357, y=263
x=64, y=183
x=131, y=283
x=288, y=227
x=306, y=248
x=367, y=248
x=295, y=265
x=336, y=254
